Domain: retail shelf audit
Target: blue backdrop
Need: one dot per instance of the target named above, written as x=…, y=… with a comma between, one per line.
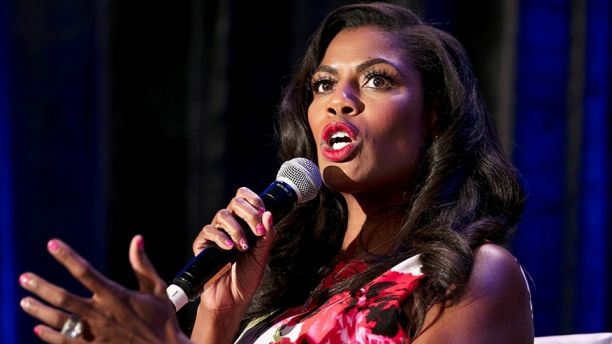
x=562, y=136
x=8, y=309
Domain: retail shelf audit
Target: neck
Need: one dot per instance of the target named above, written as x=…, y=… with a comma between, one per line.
x=372, y=223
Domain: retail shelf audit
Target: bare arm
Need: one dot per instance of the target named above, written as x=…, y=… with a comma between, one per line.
x=494, y=309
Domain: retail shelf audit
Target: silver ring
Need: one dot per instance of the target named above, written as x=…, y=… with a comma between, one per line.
x=73, y=327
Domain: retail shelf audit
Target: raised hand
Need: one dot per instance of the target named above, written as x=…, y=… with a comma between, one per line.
x=225, y=299
x=113, y=314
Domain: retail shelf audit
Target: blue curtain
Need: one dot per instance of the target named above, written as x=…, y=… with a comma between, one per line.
x=562, y=138
x=540, y=152
x=51, y=179
x=8, y=308
x=592, y=304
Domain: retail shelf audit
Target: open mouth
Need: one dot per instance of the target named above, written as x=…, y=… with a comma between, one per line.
x=339, y=134
x=339, y=140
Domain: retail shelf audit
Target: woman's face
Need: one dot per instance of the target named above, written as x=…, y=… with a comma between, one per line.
x=367, y=114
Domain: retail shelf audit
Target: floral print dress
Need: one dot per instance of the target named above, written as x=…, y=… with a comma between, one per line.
x=373, y=314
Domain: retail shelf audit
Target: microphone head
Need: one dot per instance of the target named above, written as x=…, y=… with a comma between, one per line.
x=303, y=176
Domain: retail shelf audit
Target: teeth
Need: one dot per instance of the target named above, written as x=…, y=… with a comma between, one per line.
x=339, y=145
x=339, y=140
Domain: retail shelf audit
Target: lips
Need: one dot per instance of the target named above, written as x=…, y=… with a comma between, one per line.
x=339, y=141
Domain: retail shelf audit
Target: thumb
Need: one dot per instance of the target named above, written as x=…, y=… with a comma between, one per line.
x=148, y=279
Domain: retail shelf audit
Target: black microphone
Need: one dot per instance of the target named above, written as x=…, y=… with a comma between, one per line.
x=298, y=180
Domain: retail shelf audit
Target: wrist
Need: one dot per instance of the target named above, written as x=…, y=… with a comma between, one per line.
x=216, y=326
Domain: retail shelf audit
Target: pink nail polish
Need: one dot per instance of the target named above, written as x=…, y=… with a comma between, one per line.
x=23, y=280
x=261, y=210
x=53, y=246
x=27, y=281
x=24, y=303
x=244, y=244
x=37, y=330
x=229, y=243
x=260, y=229
x=140, y=243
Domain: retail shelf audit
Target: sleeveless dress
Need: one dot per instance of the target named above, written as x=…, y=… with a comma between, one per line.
x=373, y=314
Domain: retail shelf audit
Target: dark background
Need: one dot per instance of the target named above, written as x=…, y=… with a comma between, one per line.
x=119, y=117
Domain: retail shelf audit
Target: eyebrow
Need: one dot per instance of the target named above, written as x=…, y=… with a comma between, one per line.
x=360, y=67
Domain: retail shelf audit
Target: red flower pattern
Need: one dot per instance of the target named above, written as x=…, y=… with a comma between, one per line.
x=373, y=314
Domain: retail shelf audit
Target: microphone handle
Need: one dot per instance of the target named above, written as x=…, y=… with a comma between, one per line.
x=279, y=198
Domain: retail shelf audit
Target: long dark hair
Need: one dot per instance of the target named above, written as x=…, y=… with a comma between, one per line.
x=467, y=192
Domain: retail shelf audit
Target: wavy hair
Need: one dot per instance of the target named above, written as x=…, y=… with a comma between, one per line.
x=466, y=193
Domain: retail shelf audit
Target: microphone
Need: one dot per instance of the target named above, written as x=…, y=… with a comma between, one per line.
x=298, y=180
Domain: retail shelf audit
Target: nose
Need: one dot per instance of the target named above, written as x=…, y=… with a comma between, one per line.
x=344, y=101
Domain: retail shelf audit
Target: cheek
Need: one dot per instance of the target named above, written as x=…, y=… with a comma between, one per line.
x=316, y=126
x=410, y=119
x=314, y=131
x=310, y=117
x=402, y=133
x=315, y=123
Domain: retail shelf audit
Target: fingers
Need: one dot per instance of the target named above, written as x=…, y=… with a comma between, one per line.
x=250, y=197
x=77, y=266
x=49, y=315
x=53, y=318
x=148, y=279
x=53, y=294
x=263, y=246
x=243, y=213
x=210, y=233
x=268, y=222
x=231, y=227
x=248, y=206
x=50, y=335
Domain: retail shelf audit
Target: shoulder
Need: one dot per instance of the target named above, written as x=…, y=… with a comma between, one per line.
x=494, y=308
x=496, y=272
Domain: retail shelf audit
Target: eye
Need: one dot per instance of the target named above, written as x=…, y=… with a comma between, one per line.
x=322, y=85
x=379, y=80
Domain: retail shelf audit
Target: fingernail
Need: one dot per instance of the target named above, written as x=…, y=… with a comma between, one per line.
x=26, y=281
x=24, y=303
x=53, y=246
x=261, y=210
x=229, y=243
x=38, y=330
x=260, y=229
x=244, y=244
x=140, y=243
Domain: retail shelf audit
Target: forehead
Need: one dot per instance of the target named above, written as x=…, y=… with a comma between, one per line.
x=363, y=43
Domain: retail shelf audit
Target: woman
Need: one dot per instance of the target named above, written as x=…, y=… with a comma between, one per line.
x=403, y=243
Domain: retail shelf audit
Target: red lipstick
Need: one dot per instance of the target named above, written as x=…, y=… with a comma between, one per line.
x=339, y=141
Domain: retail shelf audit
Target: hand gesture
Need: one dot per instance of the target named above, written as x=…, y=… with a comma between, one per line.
x=113, y=314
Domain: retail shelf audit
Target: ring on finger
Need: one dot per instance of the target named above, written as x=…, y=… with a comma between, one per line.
x=73, y=327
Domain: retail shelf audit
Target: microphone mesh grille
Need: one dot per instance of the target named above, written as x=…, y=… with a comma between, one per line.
x=304, y=174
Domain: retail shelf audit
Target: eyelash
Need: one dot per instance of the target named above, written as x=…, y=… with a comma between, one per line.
x=315, y=84
x=380, y=73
